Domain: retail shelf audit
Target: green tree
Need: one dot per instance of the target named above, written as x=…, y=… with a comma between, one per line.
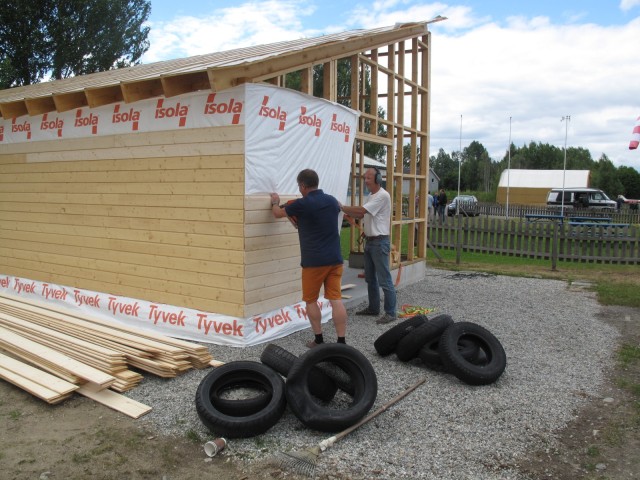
x=62, y=38
x=630, y=179
x=446, y=167
x=605, y=177
x=24, y=44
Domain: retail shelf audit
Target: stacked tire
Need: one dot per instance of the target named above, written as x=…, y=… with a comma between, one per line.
x=465, y=349
x=312, y=382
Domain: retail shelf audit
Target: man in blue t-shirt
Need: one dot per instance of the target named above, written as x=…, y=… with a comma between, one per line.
x=316, y=218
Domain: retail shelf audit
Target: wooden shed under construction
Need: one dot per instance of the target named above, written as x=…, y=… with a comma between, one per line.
x=164, y=216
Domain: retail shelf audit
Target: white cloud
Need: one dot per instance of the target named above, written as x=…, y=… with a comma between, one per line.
x=536, y=73
x=253, y=23
x=529, y=69
x=626, y=5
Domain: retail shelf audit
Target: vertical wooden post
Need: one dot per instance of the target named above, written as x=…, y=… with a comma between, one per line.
x=554, y=247
x=458, y=236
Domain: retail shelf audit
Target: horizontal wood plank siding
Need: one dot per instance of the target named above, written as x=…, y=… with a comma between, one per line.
x=156, y=216
x=272, y=258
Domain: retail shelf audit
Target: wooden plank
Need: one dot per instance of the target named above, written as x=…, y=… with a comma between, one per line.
x=259, y=307
x=134, y=335
x=221, y=214
x=32, y=387
x=225, y=195
x=90, y=374
x=137, y=253
x=166, y=150
x=174, y=346
x=169, y=177
x=37, y=376
x=285, y=277
x=115, y=401
x=204, y=304
x=270, y=241
x=273, y=289
x=16, y=163
x=267, y=268
x=171, y=238
x=263, y=202
x=278, y=253
x=145, y=224
x=166, y=188
x=106, y=142
x=165, y=266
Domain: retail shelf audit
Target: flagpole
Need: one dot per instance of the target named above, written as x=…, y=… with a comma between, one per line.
x=566, y=119
x=509, y=169
x=459, y=168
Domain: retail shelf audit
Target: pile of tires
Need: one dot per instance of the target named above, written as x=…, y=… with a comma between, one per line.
x=329, y=388
x=465, y=349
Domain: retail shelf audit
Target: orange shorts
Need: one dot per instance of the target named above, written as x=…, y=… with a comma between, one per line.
x=315, y=277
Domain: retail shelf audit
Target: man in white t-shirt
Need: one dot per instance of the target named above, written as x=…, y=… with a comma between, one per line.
x=376, y=213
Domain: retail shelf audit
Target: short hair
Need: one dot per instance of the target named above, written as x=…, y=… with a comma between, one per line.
x=309, y=178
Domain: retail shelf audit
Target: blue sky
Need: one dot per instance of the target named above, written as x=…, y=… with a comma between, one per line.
x=533, y=62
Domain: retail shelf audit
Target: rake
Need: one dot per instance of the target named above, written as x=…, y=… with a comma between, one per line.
x=304, y=462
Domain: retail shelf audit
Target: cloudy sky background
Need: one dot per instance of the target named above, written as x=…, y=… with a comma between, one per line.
x=493, y=60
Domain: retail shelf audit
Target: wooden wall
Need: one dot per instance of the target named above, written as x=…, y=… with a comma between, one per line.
x=522, y=196
x=156, y=216
x=272, y=250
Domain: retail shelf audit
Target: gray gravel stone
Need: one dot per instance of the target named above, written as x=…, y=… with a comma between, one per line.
x=557, y=355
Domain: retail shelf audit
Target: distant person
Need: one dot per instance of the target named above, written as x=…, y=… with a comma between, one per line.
x=316, y=215
x=431, y=213
x=619, y=202
x=442, y=205
x=376, y=215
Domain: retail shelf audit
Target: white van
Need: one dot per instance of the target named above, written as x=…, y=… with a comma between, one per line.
x=578, y=198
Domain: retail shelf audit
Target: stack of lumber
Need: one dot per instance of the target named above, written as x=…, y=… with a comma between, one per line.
x=43, y=385
x=84, y=354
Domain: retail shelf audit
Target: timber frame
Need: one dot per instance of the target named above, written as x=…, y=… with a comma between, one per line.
x=394, y=106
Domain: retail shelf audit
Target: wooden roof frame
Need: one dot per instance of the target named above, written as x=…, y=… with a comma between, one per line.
x=175, y=77
x=400, y=53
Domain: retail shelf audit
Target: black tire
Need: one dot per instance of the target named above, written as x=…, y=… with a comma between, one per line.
x=323, y=417
x=339, y=376
x=321, y=385
x=409, y=346
x=245, y=406
x=430, y=355
x=479, y=373
x=386, y=343
x=244, y=426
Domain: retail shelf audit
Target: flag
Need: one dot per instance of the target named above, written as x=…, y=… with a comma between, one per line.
x=635, y=136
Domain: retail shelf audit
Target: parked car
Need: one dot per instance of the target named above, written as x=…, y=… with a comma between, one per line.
x=574, y=198
x=468, y=206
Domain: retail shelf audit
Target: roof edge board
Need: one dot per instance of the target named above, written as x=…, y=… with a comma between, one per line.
x=225, y=76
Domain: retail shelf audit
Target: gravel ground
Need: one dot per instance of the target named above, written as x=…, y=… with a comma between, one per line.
x=557, y=351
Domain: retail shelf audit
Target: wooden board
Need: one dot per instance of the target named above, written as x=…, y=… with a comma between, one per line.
x=115, y=401
x=38, y=351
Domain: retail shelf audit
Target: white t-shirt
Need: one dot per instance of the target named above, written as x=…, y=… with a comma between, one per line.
x=377, y=220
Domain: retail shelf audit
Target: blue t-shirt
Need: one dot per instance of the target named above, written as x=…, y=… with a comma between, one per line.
x=317, y=215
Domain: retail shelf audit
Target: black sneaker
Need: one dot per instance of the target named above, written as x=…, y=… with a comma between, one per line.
x=367, y=311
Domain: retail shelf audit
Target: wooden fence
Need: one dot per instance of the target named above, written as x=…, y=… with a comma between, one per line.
x=626, y=215
x=543, y=240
